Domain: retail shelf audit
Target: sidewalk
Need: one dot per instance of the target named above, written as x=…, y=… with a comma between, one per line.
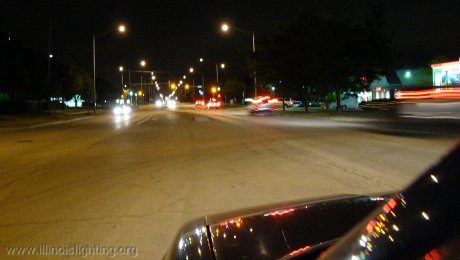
x=9, y=122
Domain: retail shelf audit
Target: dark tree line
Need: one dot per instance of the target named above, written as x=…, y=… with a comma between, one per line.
x=28, y=83
x=329, y=49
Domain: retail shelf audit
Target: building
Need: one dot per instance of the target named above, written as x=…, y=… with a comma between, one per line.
x=446, y=74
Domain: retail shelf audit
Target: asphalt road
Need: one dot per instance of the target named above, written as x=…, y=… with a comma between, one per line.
x=132, y=181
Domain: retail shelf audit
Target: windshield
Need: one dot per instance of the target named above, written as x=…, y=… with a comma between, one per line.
x=120, y=121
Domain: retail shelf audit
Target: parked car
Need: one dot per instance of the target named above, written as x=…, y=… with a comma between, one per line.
x=419, y=222
x=292, y=103
x=314, y=104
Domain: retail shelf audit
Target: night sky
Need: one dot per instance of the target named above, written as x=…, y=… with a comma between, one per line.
x=172, y=35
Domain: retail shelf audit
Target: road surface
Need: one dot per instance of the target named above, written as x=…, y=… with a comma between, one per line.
x=132, y=181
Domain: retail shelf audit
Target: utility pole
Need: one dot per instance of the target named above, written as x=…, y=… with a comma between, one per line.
x=49, y=67
x=254, y=62
x=94, y=72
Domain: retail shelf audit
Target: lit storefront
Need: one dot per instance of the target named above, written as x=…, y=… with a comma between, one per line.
x=446, y=74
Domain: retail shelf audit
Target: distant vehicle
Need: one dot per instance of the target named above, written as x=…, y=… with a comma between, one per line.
x=200, y=103
x=263, y=105
x=214, y=103
x=159, y=103
x=314, y=104
x=292, y=103
x=420, y=222
x=122, y=110
x=171, y=104
x=350, y=102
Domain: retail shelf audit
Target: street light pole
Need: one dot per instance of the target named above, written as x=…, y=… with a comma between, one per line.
x=121, y=29
x=94, y=71
x=225, y=28
x=217, y=75
x=254, y=62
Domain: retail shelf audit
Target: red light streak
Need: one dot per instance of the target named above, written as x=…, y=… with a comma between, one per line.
x=438, y=93
x=279, y=212
x=433, y=255
x=298, y=251
x=392, y=203
x=386, y=208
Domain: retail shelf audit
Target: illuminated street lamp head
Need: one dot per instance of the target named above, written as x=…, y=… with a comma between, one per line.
x=222, y=65
x=153, y=77
x=408, y=74
x=184, y=77
x=225, y=27
x=143, y=63
x=187, y=86
x=121, y=68
x=180, y=82
x=213, y=90
x=201, y=59
x=121, y=28
x=191, y=70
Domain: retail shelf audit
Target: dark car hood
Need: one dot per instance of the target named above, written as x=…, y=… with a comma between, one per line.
x=271, y=231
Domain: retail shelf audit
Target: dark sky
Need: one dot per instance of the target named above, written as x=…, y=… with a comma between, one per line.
x=172, y=35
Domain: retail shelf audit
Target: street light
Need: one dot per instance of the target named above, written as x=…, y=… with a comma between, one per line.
x=121, y=69
x=222, y=66
x=225, y=28
x=201, y=59
x=143, y=63
x=191, y=70
x=153, y=77
x=184, y=77
x=121, y=29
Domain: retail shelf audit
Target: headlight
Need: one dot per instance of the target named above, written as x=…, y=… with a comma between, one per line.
x=171, y=104
x=158, y=103
x=126, y=110
x=117, y=110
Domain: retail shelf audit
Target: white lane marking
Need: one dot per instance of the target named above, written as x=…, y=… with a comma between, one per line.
x=143, y=121
x=432, y=117
x=59, y=122
x=201, y=119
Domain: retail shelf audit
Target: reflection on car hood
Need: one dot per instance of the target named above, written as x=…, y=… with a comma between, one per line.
x=271, y=231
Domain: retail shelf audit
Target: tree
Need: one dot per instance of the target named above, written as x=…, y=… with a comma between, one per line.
x=233, y=88
x=327, y=48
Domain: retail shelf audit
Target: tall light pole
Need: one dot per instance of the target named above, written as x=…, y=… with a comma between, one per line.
x=143, y=63
x=121, y=29
x=216, y=64
x=121, y=69
x=191, y=70
x=225, y=28
x=202, y=80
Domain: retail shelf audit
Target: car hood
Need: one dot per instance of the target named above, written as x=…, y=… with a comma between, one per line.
x=271, y=231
